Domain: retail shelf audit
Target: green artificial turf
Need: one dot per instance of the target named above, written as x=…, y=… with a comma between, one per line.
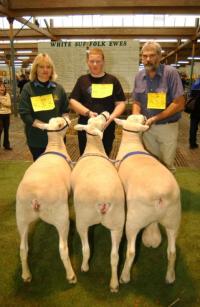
x=49, y=286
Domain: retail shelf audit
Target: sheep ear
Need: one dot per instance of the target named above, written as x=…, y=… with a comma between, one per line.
x=144, y=128
x=98, y=132
x=119, y=122
x=80, y=127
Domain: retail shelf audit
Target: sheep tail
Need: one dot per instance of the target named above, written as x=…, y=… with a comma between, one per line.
x=103, y=208
x=35, y=205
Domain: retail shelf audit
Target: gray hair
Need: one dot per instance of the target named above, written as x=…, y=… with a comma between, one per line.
x=152, y=44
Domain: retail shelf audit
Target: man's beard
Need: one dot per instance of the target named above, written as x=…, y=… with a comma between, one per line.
x=151, y=67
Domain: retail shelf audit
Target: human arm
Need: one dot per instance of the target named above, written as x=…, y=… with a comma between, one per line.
x=118, y=110
x=136, y=109
x=177, y=105
x=6, y=101
x=81, y=109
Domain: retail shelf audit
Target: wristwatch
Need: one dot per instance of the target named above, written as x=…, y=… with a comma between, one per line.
x=87, y=113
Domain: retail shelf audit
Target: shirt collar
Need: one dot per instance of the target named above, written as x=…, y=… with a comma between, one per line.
x=51, y=84
x=159, y=71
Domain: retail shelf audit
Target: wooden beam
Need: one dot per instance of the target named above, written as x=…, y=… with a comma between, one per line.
x=31, y=25
x=64, y=7
x=5, y=11
x=91, y=33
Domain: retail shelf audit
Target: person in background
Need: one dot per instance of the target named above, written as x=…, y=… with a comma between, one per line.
x=94, y=93
x=5, y=111
x=41, y=99
x=158, y=94
x=195, y=115
x=23, y=79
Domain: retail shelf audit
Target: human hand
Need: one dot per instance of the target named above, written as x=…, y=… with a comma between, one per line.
x=40, y=125
x=150, y=121
x=92, y=114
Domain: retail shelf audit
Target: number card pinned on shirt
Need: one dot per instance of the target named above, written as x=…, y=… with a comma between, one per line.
x=102, y=90
x=43, y=103
x=156, y=101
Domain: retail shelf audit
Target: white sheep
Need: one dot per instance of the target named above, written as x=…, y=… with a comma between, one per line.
x=98, y=194
x=43, y=193
x=152, y=193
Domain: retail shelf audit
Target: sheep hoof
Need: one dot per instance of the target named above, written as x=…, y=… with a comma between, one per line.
x=170, y=278
x=72, y=280
x=114, y=290
x=27, y=279
x=84, y=268
x=124, y=281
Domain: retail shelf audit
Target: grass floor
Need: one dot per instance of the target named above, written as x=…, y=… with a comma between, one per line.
x=49, y=286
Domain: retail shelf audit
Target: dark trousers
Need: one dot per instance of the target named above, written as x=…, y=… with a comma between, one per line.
x=194, y=122
x=4, y=127
x=108, y=138
x=36, y=152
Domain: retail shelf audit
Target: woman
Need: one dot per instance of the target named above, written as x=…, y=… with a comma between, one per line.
x=5, y=111
x=41, y=99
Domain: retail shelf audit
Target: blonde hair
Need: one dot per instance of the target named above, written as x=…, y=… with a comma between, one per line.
x=95, y=51
x=40, y=59
x=152, y=44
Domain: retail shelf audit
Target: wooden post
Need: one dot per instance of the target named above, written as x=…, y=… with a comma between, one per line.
x=13, y=79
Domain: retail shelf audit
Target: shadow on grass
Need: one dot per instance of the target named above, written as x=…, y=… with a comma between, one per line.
x=147, y=286
x=48, y=272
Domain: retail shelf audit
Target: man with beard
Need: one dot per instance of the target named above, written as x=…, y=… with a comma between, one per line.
x=158, y=94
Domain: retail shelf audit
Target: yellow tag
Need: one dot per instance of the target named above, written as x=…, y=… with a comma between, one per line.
x=156, y=101
x=102, y=90
x=43, y=103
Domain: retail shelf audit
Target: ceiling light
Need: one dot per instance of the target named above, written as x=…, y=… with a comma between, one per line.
x=24, y=51
x=194, y=58
x=23, y=57
x=183, y=62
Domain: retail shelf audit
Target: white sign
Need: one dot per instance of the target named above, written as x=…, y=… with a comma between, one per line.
x=121, y=60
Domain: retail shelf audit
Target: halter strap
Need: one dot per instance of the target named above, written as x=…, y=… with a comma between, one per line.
x=130, y=130
x=104, y=116
x=66, y=125
x=94, y=155
x=69, y=162
x=134, y=153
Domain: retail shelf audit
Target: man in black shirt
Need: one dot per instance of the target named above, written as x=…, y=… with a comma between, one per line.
x=94, y=93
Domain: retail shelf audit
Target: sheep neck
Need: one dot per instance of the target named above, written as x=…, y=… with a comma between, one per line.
x=130, y=142
x=94, y=145
x=56, y=143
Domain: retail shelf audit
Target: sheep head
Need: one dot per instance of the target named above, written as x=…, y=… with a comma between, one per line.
x=58, y=124
x=135, y=122
x=95, y=125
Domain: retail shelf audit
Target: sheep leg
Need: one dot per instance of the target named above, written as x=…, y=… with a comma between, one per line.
x=114, y=258
x=171, y=255
x=83, y=233
x=131, y=235
x=64, y=252
x=23, y=230
x=151, y=236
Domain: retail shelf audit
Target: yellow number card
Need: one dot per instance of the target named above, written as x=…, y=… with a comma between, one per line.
x=102, y=90
x=43, y=103
x=156, y=101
